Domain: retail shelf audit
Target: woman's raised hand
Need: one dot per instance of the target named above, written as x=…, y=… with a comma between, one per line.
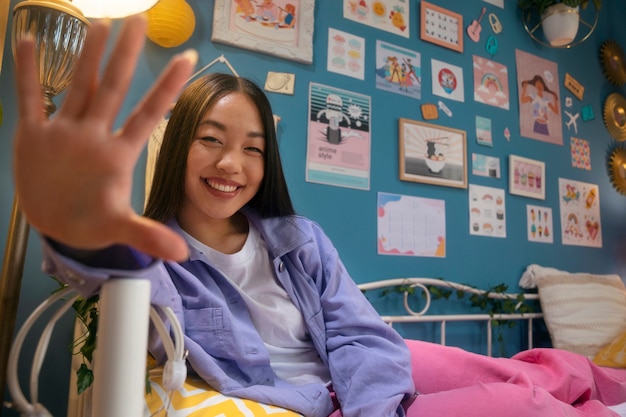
x=73, y=173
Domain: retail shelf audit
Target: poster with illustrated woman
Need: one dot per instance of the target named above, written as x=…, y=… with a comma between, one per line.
x=539, y=98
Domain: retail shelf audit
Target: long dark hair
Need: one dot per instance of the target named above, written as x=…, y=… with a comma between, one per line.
x=168, y=186
x=539, y=79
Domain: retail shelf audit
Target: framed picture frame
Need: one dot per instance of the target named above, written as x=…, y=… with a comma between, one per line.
x=527, y=177
x=432, y=154
x=282, y=28
x=441, y=26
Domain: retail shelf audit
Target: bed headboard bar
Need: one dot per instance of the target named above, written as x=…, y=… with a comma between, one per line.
x=423, y=284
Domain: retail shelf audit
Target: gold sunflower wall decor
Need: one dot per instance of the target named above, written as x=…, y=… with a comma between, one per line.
x=613, y=62
x=616, y=166
x=614, y=115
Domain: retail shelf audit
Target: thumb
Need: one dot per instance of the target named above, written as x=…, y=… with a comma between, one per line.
x=155, y=239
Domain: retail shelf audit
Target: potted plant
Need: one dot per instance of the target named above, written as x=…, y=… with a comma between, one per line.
x=559, y=18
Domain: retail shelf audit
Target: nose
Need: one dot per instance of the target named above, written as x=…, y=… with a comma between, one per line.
x=230, y=161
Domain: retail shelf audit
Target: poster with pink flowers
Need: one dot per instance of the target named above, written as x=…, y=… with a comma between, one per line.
x=580, y=213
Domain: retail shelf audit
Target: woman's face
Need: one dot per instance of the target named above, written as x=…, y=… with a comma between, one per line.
x=540, y=86
x=225, y=164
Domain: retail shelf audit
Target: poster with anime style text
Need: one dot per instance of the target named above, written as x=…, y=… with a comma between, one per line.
x=539, y=98
x=339, y=137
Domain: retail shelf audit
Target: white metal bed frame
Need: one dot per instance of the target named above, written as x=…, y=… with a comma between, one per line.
x=122, y=343
x=412, y=316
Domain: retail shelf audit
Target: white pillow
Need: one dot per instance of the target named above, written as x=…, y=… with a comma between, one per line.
x=583, y=312
x=528, y=279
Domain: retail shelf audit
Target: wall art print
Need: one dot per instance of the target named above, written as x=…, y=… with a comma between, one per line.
x=388, y=15
x=441, y=26
x=432, y=154
x=447, y=80
x=411, y=226
x=346, y=54
x=539, y=224
x=283, y=28
x=398, y=70
x=491, y=83
x=487, y=211
x=539, y=98
x=527, y=177
x=339, y=137
x=580, y=213
x=581, y=153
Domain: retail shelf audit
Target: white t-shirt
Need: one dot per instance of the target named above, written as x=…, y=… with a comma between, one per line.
x=278, y=321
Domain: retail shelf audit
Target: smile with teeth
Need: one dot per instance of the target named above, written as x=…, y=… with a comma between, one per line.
x=222, y=187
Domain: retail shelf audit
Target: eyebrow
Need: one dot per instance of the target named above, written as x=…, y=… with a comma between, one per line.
x=222, y=127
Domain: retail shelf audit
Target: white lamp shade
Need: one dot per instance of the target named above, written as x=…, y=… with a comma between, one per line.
x=112, y=9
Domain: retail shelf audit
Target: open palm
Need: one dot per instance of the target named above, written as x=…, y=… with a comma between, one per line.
x=73, y=173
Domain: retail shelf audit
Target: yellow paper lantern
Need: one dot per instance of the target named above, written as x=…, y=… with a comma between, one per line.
x=170, y=23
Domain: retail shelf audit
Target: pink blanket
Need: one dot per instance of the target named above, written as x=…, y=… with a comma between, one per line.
x=534, y=383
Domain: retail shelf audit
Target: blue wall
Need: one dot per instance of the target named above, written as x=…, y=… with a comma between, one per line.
x=349, y=215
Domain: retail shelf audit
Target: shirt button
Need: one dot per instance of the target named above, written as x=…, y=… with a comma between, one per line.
x=281, y=267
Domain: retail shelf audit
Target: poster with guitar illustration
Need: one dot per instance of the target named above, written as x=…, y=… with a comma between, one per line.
x=580, y=213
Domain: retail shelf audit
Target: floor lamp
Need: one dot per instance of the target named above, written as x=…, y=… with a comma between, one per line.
x=58, y=28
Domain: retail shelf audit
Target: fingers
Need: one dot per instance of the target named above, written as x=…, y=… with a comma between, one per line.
x=155, y=239
x=119, y=71
x=29, y=95
x=86, y=70
x=160, y=97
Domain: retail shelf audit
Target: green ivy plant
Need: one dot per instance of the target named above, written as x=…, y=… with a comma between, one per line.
x=482, y=300
x=86, y=310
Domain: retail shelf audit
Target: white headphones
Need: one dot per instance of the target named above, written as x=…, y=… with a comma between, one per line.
x=175, y=369
x=174, y=372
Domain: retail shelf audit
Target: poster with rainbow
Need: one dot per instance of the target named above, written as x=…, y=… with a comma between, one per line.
x=491, y=85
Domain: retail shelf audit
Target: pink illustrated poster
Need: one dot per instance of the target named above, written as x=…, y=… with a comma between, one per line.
x=411, y=226
x=491, y=83
x=539, y=99
x=339, y=137
x=273, y=20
